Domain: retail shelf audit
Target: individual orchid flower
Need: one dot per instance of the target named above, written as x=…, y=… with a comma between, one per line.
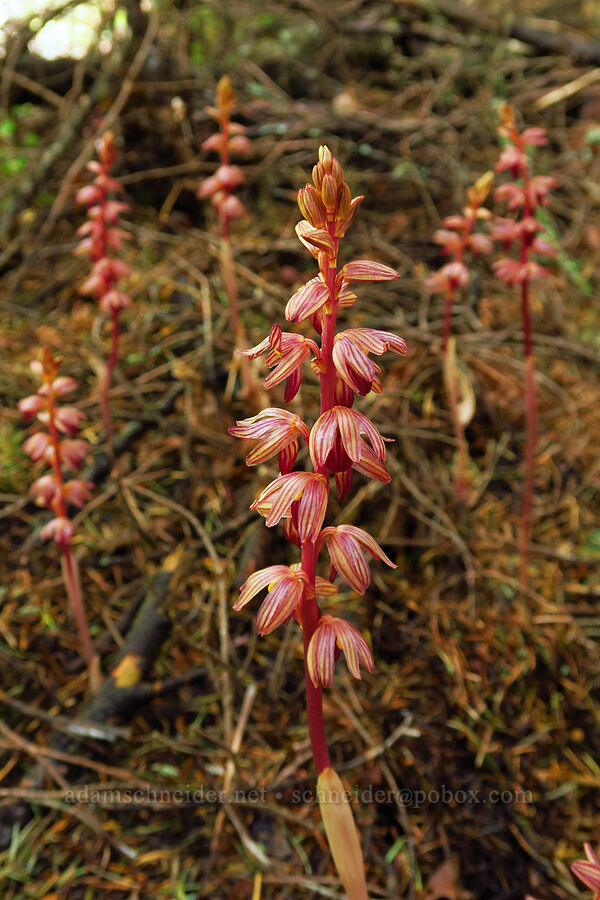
x=286, y=587
x=335, y=439
x=588, y=870
x=287, y=352
x=308, y=300
x=277, y=431
x=346, y=545
x=350, y=356
x=307, y=489
x=330, y=636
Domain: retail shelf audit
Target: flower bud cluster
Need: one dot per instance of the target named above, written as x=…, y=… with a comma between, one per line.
x=57, y=452
x=230, y=139
x=101, y=234
x=524, y=194
x=341, y=440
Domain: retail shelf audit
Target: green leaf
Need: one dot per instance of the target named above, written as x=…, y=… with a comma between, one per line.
x=7, y=127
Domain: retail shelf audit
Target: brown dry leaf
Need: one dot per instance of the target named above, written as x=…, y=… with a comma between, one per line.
x=459, y=387
x=445, y=882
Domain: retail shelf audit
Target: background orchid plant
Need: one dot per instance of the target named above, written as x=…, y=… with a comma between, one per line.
x=524, y=194
x=220, y=187
x=101, y=238
x=341, y=441
x=458, y=238
x=59, y=448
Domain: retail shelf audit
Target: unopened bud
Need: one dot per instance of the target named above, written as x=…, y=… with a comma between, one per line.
x=325, y=158
x=329, y=192
x=311, y=206
x=337, y=171
x=317, y=176
x=478, y=194
x=343, y=226
x=344, y=199
x=507, y=116
x=225, y=95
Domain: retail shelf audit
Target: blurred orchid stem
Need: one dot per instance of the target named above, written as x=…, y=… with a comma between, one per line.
x=249, y=386
x=70, y=571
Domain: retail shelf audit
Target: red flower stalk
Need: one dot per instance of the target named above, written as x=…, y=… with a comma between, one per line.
x=52, y=489
x=458, y=237
x=340, y=441
x=524, y=195
x=220, y=187
x=102, y=238
x=588, y=870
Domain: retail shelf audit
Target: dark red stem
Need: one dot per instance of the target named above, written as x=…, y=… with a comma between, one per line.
x=107, y=378
x=449, y=302
x=310, y=608
x=314, y=699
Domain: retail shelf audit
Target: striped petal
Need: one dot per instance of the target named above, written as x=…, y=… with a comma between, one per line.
x=320, y=658
x=324, y=587
x=307, y=300
x=364, y=538
x=278, y=441
x=348, y=421
x=289, y=363
x=257, y=581
x=377, y=341
x=260, y=425
x=371, y=466
x=279, y=604
x=353, y=646
x=353, y=365
x=315, y=239
x=329, y=634
x=291, y=488
x=376, y=440
x=275, y=501
x=312, y=508
x=350, y=561
x=322, y=437
x=588, y=872
x=257, y=350
x=368, y=270
x=292, y=385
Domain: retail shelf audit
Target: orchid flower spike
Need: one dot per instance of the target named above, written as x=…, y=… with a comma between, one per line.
x=341, y=441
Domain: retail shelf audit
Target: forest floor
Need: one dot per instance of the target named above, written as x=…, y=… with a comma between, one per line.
x=480, y=721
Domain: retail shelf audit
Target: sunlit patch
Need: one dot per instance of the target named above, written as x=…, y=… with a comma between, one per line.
x=72, y=34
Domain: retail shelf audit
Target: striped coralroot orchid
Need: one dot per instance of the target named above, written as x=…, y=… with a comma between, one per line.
x=524, y=194
x=229, y=140
x=458, y=238
x=588, y=870
x=340, y=441
x=101, y=239
x=52, y=490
